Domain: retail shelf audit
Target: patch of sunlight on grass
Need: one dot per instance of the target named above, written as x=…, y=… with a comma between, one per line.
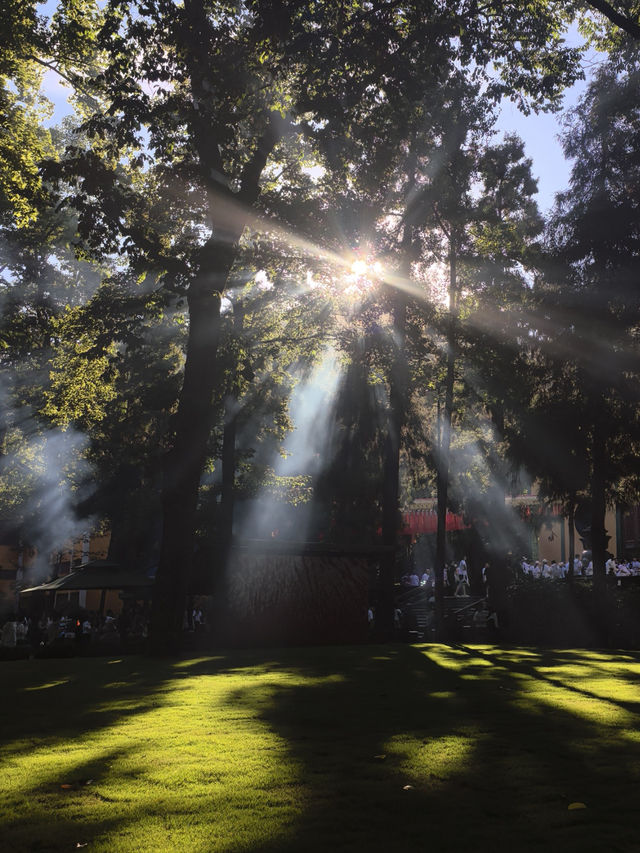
x=209, y=659
x=576, y=684
x=191, y=772
x=510, y=654
x=605, y=676
x=452, y=657
x=607, y=657
x=46, y=686
x=47, y=769
x=431, y=762
x=553, y=698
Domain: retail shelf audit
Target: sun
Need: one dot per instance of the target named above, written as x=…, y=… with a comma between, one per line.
x=359, y=267
x=360, y=276
x=366, y=268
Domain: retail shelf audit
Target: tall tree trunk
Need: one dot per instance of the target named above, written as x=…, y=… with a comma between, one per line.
x=185, y=460
x=398, y=391
x=228, y=474
x=599, y=536
x=228, y=213
x=231, y=412
x=391, y=473
x=224, y=538
x=442, y=481
x=227, y=505
x=572, y=535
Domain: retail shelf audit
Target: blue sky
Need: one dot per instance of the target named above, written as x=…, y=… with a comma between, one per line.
x=542, y=144
x=540, y=134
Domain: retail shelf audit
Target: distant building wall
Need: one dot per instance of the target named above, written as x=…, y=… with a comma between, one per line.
x=15, y=562
x=553, y=537
x=630, y=531
x=19, y=565
x=77, y=552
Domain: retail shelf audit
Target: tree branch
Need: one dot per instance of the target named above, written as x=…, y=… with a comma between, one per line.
x=250, y=178
x=440, y=221
x=317, y=336
x=629, y=26
x=53, y=67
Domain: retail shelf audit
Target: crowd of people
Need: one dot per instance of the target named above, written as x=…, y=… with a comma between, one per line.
x=582, y=567
x=486, y=587
x=81, y=629
x=456, y=579
x=458, y=584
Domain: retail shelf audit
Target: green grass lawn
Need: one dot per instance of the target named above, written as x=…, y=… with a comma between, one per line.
x=431, y=747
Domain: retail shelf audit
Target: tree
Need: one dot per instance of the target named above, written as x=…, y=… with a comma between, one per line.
x=624, y=19
x=207, y=65
x=592, y=292
x=479, y=219
x=497, y=268
x=193, y=102
x=238, y=81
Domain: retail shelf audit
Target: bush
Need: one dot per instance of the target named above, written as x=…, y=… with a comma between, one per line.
x=543, y=612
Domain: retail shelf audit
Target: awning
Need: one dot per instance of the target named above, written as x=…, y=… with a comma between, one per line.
x=420, y=521
x=98, y=574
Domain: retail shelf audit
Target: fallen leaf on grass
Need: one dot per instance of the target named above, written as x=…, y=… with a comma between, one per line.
x=379, y=757
x=66, y=786
x=573, y=806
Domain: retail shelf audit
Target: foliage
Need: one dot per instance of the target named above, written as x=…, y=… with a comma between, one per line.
x=220, y=147
x=583, y=367
x=556, y=612
x=24, y=142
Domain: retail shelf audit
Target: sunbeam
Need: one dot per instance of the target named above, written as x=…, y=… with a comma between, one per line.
x=303, y=455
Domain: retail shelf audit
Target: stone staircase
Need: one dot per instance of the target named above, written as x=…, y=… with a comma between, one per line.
x=459, y=624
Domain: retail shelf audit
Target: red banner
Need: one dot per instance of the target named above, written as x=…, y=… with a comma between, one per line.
x=426, y=521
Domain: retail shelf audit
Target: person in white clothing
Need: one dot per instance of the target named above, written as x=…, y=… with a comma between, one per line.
x=463, y=588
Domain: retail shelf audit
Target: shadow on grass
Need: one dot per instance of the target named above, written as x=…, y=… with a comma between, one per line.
x=546, y=659
x=61, y=706
x=405, y=752
x=439, y=748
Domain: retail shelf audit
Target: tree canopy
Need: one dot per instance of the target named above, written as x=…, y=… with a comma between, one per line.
x=244, y=187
